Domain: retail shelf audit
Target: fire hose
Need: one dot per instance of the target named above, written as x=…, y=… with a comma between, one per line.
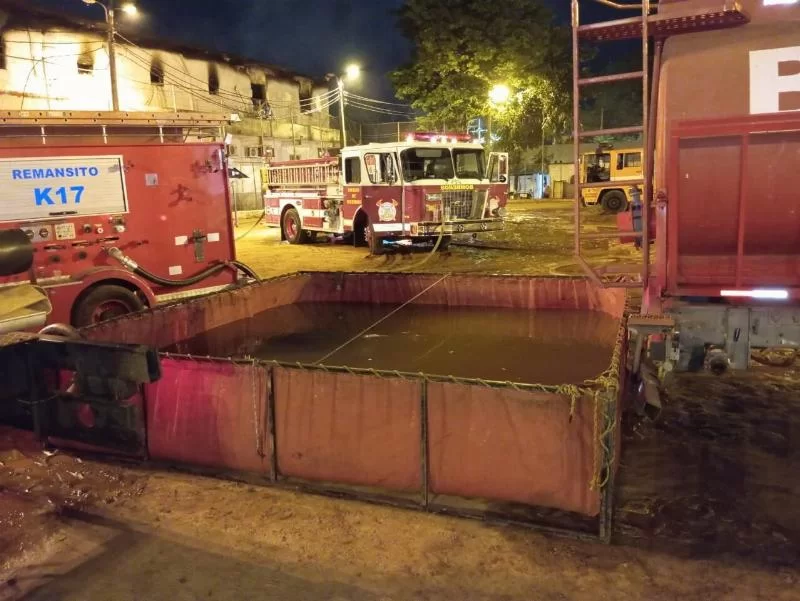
x=133, y=266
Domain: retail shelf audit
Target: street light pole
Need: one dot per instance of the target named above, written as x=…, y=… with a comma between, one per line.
x=109, y=11
x=112, y=55
x=351, y=72
x=498, y=96
x=340, y=84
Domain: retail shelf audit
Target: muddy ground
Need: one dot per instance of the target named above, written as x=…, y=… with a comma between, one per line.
x=708, y=496
x=537, y=240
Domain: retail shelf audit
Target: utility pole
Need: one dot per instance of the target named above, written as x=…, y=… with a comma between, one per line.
x=112, y=55
x=110, y=9
x=542, y=148
x=294, y=147
x=340, y=84
x=351, y=72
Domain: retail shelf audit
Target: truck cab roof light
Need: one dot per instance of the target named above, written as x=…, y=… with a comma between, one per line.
x=436, y=137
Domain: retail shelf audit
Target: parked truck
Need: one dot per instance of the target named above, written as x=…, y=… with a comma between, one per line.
x=605, y=166
x=719, y=189
x=426, y=188
x=123, y=211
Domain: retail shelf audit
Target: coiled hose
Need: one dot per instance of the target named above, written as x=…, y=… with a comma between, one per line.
x=173, y=283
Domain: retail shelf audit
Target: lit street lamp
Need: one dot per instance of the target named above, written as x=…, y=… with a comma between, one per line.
x=498, y=96
x=129, y=8
x=351, y=73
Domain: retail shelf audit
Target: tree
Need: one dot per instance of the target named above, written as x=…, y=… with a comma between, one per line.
x=464, y=47
x=616, y=104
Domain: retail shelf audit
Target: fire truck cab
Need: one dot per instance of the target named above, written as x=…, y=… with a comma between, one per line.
x=428, y=187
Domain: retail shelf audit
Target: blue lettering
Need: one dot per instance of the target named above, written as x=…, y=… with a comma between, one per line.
x=42, y=196
x=78, y=193
x=55, y=172
x=62, y=192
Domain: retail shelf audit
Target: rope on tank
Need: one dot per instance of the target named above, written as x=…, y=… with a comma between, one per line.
x=382, y=319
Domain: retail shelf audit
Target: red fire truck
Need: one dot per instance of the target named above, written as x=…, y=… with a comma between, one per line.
x=719, y=193
x=431, y=186
x=124, y=210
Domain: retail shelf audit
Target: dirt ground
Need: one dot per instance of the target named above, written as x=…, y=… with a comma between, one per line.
x=537, y=240
x=708, y=498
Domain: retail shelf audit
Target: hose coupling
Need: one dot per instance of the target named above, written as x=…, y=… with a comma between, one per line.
x=123, y=258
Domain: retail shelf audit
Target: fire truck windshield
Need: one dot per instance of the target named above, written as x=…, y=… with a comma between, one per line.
x=470, y=164
x=427, y=163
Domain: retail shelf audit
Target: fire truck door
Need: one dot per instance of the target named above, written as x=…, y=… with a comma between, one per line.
x=382, y=193
x=497, y=172
x=497, y=167
x=351, y=189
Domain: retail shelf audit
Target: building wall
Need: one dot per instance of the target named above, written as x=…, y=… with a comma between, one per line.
x=42, y=73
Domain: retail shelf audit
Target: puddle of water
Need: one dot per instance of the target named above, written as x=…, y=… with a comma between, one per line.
x=547, y=347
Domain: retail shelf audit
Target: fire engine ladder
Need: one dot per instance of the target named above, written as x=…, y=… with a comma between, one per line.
x=108, y=123
x=314, y=174
x=725, y=13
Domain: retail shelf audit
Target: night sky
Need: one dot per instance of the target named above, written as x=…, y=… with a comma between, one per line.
x=313, y=37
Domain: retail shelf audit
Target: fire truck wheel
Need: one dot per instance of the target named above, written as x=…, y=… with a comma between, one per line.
x=292, y=231
x=444, y=244
x=106, y=302
x=614, y=201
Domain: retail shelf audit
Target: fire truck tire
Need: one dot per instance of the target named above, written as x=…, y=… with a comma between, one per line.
x=105, y=302
x=292, y=231
x=360, y=230
x=614, y=201
x=444, y=244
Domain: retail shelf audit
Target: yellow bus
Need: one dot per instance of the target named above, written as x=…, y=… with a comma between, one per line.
x=605, y=166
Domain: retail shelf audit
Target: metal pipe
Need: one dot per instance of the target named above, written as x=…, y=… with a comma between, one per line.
x=622, y=5
x=648, y=176
x=615, y=77
x=649, y=164
x=576, y=126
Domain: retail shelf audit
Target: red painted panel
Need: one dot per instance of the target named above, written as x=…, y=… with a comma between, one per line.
x=171, y=193
x=210, y=414
x=733, y=218
x=708, y=192
x=772, y=214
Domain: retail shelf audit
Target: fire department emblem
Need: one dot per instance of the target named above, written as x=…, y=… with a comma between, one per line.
x=387, y=210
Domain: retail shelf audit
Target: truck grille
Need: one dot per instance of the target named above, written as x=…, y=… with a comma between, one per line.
x=463, y=204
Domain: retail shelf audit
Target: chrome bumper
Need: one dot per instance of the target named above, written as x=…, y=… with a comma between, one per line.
x=460, y=227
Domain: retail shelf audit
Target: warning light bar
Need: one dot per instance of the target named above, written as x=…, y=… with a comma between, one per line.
x=434, y=137
x=765, y=293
